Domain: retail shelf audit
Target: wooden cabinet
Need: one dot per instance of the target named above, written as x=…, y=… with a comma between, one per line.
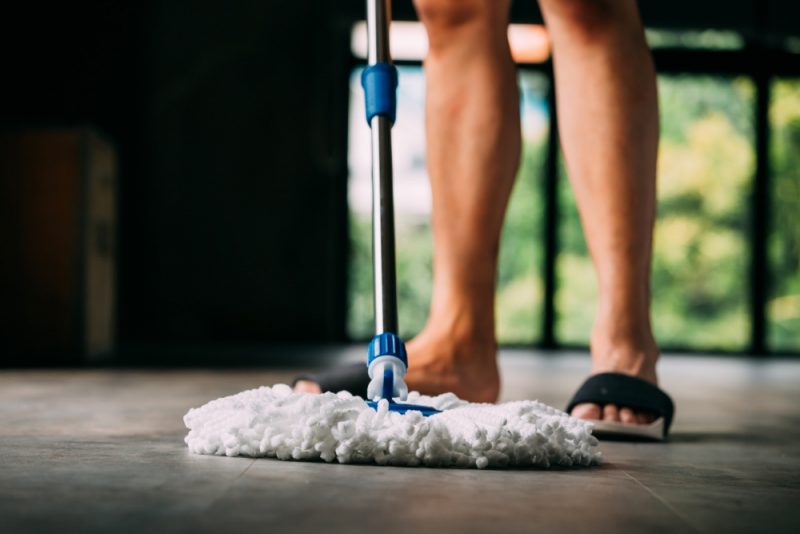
x=57, y=247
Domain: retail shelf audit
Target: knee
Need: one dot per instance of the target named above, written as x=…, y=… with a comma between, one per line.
x=587, y=17
x=443, y=18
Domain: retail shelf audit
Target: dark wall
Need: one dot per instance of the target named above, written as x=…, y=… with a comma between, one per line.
x=230, y=123
x=235, y=225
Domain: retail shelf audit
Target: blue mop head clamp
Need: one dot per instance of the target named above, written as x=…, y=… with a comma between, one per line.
x=387, y=362
x=387, y=344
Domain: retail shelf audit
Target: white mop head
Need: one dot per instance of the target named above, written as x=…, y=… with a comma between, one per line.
x=278, y=423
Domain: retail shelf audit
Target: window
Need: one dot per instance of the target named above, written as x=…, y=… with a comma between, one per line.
x=714, y=165
x=783, y=306
x=695, y=39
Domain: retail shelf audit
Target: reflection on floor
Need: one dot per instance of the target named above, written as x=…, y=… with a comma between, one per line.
x=101, y=451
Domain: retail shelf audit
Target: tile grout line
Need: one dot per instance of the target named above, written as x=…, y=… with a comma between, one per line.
x=245, y=470
x=232, y=483
x=664, y=502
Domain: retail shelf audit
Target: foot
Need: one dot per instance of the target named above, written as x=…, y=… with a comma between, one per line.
x=441, y=362
x=631, y=355
x=307, y=386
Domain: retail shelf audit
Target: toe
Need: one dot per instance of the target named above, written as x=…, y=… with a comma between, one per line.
x=626, y=415
x=586, y=411
x=307, y=386
x=610, y=413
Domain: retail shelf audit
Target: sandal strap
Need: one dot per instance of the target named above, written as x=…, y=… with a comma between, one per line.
x=351, y=377
x=625, y=391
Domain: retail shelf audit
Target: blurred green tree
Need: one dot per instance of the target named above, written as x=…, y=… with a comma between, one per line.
x=783, y=308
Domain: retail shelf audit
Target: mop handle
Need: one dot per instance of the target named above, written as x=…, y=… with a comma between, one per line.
x=387, y=360
x=379, y=80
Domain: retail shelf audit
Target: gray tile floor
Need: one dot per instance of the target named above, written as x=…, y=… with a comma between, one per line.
x=102, y=451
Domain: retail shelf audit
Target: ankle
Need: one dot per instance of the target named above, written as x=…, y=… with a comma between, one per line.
x=463, y=307
x=463, y=330
x=624, y=346
x=465, y=327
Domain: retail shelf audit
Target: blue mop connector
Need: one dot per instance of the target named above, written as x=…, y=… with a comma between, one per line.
x=387, y=363
x=380, y=90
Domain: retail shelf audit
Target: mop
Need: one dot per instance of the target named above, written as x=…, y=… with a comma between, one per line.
x=392, y=427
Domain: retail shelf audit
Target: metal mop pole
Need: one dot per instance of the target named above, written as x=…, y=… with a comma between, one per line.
x=387, y=360
x=383, y=248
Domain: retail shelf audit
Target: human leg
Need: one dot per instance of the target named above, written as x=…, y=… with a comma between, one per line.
x=608, y=120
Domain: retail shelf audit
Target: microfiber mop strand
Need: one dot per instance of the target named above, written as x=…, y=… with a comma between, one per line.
x=275, y=422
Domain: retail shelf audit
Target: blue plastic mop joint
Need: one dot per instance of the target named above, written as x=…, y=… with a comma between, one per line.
x=380, y=87
x=387, y=362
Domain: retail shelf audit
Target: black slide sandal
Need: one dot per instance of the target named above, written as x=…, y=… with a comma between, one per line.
x=351, y=377
x=626, y=392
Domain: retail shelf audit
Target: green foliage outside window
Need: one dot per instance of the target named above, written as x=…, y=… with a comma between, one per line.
x=783, y=307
